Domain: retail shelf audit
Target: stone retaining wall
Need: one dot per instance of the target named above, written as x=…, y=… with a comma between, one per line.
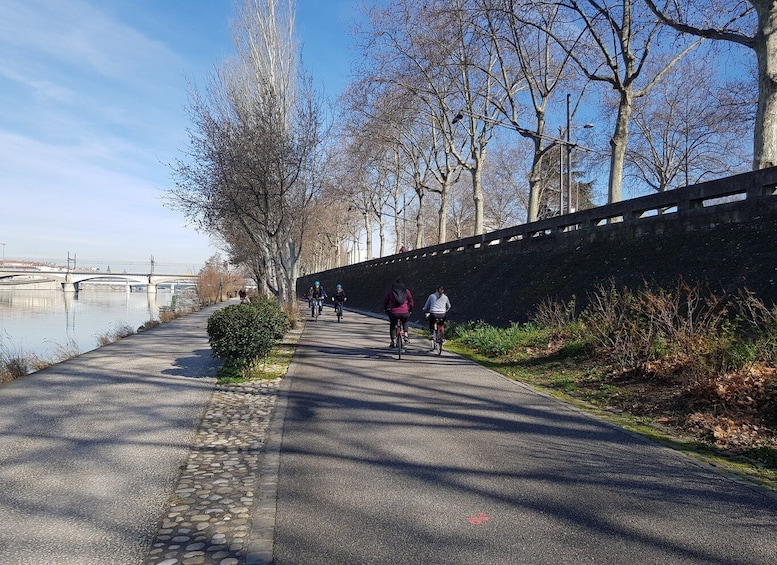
x=723, y=233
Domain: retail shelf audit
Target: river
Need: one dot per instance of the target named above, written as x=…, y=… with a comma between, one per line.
x=44, y=322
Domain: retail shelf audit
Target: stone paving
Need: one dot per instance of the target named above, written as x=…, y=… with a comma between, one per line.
x=209, y=519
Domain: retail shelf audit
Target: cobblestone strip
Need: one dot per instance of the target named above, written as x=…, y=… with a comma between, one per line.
x=208, y=520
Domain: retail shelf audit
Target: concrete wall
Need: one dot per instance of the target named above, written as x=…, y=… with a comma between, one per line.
x=723, y=233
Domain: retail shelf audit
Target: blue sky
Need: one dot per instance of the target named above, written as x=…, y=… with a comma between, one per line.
x=92, y=104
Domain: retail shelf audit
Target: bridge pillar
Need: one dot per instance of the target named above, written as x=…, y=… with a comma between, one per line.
x=68, y=285
x=151, y=288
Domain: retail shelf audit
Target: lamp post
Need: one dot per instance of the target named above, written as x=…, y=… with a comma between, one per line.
x=569, y=145
x=3, y=263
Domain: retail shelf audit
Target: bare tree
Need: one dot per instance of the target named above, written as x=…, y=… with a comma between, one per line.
x=386, y=145
x=254, y=151
x=752, y=24
x=433, y=51
x=683, y=133
x=505, y=188
x=618, y=47
x=531, y=67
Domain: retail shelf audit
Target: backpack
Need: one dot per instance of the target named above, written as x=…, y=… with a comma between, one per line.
x=399, y=294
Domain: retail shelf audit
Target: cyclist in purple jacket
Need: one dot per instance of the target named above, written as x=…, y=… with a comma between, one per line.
x=398, y=304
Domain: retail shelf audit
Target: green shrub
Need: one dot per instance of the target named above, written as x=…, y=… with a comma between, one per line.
x=455, y=330
x=241, y=333
x=496, y=342
x=272, y=316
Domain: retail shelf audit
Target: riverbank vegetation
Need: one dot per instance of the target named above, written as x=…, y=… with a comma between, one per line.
x=685, y=363
x=16, y=362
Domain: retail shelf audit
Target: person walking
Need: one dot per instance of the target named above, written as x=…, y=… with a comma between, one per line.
x=436, y=309
x=398, y=304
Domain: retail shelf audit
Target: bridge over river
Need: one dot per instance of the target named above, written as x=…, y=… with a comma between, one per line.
x=70, y=280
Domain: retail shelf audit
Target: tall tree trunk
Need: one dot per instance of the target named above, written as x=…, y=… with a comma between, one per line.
x=419, y=223
x=478, y=198
x=618, y=142
x=765, y=46
x=368, y=230
x=535, y=184
x=442, y=213
x=382, y=236
x=442, y=216
x=398, y=232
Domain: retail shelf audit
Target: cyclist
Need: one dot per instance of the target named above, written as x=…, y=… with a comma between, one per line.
x=436, y=308
x=339, y=298
x=398, y=304
x=316, y=295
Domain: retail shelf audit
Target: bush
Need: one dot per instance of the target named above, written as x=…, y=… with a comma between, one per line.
x=685, y=332
x=241, y=333
x=274, y=319
x=556, y=315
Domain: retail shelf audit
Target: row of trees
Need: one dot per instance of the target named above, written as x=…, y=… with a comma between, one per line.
x=460, y=119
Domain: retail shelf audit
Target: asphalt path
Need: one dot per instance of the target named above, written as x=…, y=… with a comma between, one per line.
x=437, y=460
x=90, y=448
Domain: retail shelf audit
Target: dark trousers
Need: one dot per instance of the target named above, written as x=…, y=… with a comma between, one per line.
x=393, y=319
x=433, y=319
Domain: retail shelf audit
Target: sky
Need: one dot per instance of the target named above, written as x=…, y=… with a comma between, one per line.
x=93, y=98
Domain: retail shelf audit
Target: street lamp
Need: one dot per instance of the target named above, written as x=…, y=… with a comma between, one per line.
x=569, y=146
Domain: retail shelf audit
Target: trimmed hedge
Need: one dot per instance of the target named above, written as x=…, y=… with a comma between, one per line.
x=241, y=333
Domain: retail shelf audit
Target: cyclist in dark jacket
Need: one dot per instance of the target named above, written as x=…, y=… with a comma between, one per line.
x=398, y=304
x=316, y=295
x=339, y=297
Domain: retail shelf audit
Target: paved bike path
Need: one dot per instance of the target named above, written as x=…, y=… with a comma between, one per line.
x=437, y=460
x=90, y=448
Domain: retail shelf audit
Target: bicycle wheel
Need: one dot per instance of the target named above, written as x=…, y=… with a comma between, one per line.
x=315, y=312
x=439, y=339
x=400, y=343
x=339, y=309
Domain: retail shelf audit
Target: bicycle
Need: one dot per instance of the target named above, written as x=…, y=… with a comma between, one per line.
x=438, y=335
x=315, y=305
x=401, y=339
x=339, y=310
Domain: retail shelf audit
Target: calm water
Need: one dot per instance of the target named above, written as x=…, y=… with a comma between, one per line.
x=41, y=322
